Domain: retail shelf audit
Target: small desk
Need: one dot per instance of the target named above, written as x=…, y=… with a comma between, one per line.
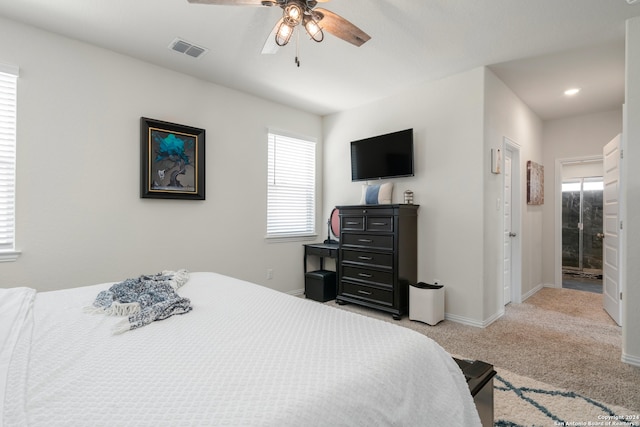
x=322, y=250
x=320, y=285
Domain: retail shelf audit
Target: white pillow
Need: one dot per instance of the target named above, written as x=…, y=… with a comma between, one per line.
x=377, y=194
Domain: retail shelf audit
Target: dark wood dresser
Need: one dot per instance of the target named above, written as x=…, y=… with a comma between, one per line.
x=377, y=257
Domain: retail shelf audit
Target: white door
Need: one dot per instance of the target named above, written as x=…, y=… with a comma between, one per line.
x=611, y=226
x=508, y=226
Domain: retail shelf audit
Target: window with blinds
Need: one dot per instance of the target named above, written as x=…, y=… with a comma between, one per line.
x=8, y=101
x=291, y=187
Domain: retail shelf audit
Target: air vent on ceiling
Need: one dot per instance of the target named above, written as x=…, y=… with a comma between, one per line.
x=183, y=46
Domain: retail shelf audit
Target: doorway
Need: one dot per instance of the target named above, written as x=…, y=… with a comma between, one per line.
x=512, y=219
x=582, y=233
x=574, y=264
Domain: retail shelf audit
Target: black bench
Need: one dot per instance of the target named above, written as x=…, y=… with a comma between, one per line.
x=479, y=377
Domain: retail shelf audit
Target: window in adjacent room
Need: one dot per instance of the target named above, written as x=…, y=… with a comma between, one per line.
x=8, y=103
x=291, y=187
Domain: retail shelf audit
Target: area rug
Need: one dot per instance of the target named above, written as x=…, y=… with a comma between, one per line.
x=522, y=402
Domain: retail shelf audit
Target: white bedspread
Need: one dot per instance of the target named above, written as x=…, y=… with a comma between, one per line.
x=246, y=355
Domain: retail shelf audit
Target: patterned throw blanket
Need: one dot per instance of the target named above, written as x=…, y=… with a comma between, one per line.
x=143, y=299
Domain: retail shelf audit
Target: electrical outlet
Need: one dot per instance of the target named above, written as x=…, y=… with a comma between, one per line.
x=269, y=273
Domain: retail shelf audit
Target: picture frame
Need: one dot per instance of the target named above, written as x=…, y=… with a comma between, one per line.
x=172, y=160
x=535, y=183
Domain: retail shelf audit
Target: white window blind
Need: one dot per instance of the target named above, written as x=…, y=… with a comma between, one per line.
x=8, y=101
x=291, y=187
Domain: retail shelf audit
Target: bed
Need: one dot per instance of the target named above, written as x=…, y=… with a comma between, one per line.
x=245, y=355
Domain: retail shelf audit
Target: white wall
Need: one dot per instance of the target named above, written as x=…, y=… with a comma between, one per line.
x=631, y=199
x=79, y=216
x=446, y=116
x=507, y=116
x=456, y=121
x=569, y=138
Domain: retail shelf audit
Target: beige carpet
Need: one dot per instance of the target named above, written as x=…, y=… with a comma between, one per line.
x=560, y=337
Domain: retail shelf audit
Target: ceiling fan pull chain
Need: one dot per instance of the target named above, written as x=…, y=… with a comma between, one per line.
x=297, y=48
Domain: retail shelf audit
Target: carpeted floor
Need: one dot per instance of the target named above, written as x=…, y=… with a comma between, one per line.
x=560, y=337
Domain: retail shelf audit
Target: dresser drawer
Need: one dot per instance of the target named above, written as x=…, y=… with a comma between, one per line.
x=352, y=223
x=367, y=240
x=377, y=210
x=368, y=258
x=367, y=293
x=321, y=251
x=364, y=274
x=379, y=223
x=377, y=256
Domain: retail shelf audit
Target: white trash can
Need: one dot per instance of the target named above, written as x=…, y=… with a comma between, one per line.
x=426, y=303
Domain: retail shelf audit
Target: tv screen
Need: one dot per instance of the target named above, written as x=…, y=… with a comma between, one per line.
x=383, y=156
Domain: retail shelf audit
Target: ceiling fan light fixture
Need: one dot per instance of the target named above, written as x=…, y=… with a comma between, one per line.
x=313, y=29
x=292, y=14
x=283, y=35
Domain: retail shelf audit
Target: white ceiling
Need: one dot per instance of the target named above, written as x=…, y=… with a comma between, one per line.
x=537, y=47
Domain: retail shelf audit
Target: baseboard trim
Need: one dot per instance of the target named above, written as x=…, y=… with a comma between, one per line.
x=631, y=360
x=493, y=318
x=532, y=292
x=473, y=322
x=463, y=320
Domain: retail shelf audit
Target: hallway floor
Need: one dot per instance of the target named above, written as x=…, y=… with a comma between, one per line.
x=578, y=282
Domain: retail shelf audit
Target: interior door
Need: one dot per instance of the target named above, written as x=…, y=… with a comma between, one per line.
x=508, y=231
x=611, y=247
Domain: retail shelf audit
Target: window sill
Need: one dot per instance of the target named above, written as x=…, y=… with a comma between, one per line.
x=288, y=238
x=9, y=256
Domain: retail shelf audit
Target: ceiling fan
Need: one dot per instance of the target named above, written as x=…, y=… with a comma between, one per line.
x=301, y=12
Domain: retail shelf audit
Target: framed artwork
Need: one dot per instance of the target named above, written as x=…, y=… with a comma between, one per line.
x=172, y=160
x=535, y=183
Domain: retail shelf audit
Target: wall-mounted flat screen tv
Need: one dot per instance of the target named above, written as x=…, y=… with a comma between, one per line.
x=383, y=156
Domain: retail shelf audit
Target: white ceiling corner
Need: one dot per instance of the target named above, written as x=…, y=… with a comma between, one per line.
x=536, y=47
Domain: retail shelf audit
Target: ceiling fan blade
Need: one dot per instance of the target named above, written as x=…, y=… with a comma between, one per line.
x=270, y=45
x=236, y=2
x=340, y=27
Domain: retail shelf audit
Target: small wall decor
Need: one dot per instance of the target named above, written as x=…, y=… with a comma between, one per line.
x=172, y=160
x=535, y=183
x=496, y=160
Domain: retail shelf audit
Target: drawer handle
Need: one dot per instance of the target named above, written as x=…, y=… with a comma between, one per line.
x=378, y=223
x=365, y=258
x=365, y=240
x=365, y=275
x=352, y=223
x=364, y=292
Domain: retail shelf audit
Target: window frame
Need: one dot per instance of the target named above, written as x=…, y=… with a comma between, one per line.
x=9, y=75
x=310, y=156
